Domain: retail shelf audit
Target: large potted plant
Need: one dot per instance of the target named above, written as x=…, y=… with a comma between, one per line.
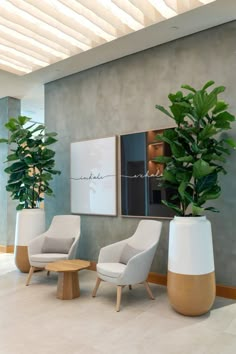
x=199, y=150
x=30, y=168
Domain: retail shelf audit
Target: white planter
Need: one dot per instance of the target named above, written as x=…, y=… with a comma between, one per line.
x=29, y=224
x=191, y=276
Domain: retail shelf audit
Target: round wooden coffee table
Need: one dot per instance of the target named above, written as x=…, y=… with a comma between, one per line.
x=68, y=280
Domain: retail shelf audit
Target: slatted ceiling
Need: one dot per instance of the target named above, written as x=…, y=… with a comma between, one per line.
x=117, y=11
x=21, y=57
x=131, y=10
x=150, y=13
x=47, y=39
x=91, y=16
x=165, y=10
x=36, y=33
x=49, y=23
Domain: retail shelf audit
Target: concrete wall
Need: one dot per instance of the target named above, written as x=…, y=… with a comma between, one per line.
x=9, y=107
x=119, y=97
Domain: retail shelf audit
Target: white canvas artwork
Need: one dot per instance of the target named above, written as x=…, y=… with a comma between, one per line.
x=93, y=177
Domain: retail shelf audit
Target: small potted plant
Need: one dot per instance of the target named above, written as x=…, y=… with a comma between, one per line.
x=30, y=168
x=199, y=150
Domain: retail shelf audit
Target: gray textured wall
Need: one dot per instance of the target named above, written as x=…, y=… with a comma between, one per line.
x=119, y=97
x=9, y=107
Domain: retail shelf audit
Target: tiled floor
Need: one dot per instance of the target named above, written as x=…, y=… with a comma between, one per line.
x=33, y=321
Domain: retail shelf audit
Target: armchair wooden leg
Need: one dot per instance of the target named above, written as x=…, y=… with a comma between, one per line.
x=149, y=291
x=130, y=287
x=48, y=273
x=119, y=293
x=96, y=287
x=32, y=269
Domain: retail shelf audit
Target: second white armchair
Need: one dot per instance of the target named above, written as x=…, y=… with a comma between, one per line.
x=128, y=262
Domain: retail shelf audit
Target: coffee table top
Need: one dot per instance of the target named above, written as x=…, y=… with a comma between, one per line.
x=68, y=265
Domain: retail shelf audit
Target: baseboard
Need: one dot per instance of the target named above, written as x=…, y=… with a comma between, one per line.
x=228, y=292
x=160, y=279
x=7, y=249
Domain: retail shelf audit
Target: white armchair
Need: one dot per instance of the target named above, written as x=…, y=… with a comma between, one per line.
x=128, y=262
x=59, y=242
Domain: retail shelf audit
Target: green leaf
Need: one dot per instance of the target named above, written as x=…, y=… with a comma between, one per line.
x=214, y=210
x=206, y=182
x=208, y=84
x=169, y=176
x=3, y=140
x=202, y=168
x=162, y=159
x=22, y=120
x=11, y=125
x=187, y=87
x=174, y=207
x=204, y=103
x=185, y=159
x=49, y=140
x=12, y=157
x=207, y=132
x=212, y=193
x=20, y=207
x=196, y=210
x=225, y=116
x=231, y=142
x=182, y=187
x=219, y=107
x=218, y=90
x=163, y=110
x=177, y=150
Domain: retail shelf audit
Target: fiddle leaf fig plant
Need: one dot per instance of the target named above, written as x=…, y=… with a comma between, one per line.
x=198, y=147
x=30, y=162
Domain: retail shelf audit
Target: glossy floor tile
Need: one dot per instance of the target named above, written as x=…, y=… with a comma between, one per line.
x=34, y=321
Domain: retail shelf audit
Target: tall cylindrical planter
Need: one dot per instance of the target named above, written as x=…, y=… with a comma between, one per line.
x=191, y=275
x=29, y=224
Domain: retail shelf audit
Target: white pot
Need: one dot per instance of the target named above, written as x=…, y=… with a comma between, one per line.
x=29, y=224
x=191, y=276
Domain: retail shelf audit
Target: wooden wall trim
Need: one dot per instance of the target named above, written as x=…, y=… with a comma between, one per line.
x=7, y=249
x=228, y=292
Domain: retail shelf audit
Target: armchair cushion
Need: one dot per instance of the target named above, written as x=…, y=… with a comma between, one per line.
x=113, y=270
x=127, y=253
x=57, y=244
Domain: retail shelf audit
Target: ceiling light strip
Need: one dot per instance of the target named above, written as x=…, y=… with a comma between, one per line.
x=106, y=15
x=163, y=8
x=24, y=50
x=6, y=63
x=131, y=10
x=92, y=16
x=151, y=14
x=8, y=50
x=118, y=12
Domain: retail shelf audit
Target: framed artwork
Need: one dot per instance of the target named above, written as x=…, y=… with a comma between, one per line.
x=93, y=177
x=141, y=177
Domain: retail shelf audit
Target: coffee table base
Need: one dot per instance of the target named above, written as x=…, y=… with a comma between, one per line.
x=68, y=285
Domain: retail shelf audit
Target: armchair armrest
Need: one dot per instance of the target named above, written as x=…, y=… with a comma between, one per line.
x=73, y=249
x=35, y=245
x=138, y=267
x=111, y=253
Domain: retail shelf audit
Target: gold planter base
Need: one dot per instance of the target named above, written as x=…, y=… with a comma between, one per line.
x=191, y=295
x=22, y=259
